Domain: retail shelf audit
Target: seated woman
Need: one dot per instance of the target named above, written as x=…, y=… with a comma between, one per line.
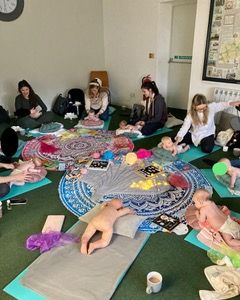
x=5, y=181
x=156, y=110
x=199, y=127
x=30, y=109
x=97, y=100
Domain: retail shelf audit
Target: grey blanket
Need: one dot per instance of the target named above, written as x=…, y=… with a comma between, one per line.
x=64, y=273
x=117, y=180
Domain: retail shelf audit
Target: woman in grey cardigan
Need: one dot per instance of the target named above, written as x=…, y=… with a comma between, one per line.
x=30, y=109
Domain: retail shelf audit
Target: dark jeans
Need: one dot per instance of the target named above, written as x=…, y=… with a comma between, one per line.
x=28, y=122
x=206, y=143
x=150, y=128
x=235, y=163
x=4, y=189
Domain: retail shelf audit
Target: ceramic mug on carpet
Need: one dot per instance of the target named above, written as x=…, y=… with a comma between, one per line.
x=154, y=282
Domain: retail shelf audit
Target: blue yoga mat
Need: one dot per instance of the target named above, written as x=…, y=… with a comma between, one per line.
x=20, y=189
x=218, y=186
x=192, y=236
x=159, y=131
x=194, y=153
x=17, y=290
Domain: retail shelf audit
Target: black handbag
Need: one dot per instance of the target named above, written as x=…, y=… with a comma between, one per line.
x=235, y=140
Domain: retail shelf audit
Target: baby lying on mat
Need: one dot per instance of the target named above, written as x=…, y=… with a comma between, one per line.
x=209, y=215
x=34, y=169
x=103, y=222
x=167, y=144
x=233, y=172
x=124, y=127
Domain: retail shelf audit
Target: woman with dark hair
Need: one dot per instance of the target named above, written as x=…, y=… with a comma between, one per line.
x=155, y=115
x=30, y=109
x=199, y=126
x=97, y=100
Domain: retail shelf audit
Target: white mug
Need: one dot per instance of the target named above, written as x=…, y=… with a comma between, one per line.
x=225, y=149
x=154, y=282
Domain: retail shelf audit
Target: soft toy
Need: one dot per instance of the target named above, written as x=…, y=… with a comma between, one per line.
x=177, y=180
x=144, y=153
x=131, y=158
x=37, y=173
x=108, y=155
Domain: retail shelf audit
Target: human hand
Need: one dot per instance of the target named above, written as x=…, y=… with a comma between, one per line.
x=178, y=139
x=36, y=114
x=8, y=166
x=23, y=177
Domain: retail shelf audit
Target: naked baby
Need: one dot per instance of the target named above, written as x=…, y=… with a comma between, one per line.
x=233, y=172
x=209, y=215
x=103, y=222
x=167, y=144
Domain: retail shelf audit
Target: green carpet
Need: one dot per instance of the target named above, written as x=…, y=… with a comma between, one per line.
x=180, y=263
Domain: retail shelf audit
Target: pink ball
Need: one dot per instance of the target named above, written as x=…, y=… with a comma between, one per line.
x=96, y=155
x=84, y=171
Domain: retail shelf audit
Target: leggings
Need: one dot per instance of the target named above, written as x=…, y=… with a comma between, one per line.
x=150, y=128
x=206, y=143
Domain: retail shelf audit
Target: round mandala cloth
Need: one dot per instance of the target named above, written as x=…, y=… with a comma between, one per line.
x=77, y=144
x=76, y=195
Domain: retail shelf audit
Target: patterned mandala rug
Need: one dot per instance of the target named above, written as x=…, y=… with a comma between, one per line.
x=73, y=145
x=76, y=196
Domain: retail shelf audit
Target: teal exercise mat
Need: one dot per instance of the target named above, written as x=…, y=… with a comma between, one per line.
x=192, y=236
x=194, y=153
x=159, y=131
x=221, y=189
x=107, y=123
x=17, y=190
x=126, y=256
x=111, y=110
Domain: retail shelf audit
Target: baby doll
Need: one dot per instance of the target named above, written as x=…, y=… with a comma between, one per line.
x=36, y=172
x=91, y=120
x=211, y=216
x=103, y=222
x=233, y=172
x=167, y=144
x=127, y=128
x=91, y=116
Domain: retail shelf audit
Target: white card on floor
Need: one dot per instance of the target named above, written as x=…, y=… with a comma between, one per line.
x=53, y=223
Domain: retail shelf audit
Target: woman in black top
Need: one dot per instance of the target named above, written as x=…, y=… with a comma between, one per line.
x=155, y=109
x=30, y=109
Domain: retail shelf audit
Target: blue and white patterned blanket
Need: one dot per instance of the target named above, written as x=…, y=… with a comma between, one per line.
x=76, y=196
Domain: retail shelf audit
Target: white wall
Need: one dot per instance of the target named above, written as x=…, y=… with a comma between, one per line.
x=53, y=45
x=196, y=83
x=130, y=33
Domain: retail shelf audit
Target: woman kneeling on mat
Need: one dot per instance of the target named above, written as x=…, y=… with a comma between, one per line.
x=5, y=180
x=199, y=126
x=97, y=100
x=156, y=110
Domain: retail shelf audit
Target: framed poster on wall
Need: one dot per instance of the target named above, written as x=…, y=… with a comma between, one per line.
x=222, y=54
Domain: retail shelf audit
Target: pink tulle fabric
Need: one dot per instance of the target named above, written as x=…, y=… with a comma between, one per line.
x=46, y=241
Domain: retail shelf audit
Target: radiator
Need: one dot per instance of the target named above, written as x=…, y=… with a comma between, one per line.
x=221, y=94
